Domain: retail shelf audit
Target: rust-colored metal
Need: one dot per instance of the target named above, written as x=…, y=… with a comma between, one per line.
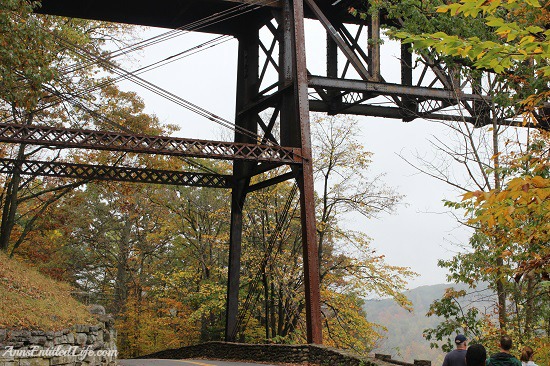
x=374, y=46
x=135, y=143
x=337, y=38
x=115, y=173
x=305, y=183
x=247, y=91
x=391, y=89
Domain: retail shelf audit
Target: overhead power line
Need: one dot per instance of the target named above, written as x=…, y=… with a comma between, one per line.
x=154, y=88
x=184, y=29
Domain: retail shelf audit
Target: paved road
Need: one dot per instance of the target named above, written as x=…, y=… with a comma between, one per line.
x=153, y=362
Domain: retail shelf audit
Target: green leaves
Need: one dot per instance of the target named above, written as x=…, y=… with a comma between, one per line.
x=459, y=319
x=533, y=3
x=510, y=38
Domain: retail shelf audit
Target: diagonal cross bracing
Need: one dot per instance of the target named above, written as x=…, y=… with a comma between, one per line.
x=112, y=173
x=115, y=141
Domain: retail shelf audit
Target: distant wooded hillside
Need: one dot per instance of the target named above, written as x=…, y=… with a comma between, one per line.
x=404, y=335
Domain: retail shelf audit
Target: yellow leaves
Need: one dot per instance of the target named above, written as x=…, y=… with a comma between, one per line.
x=491, y=221
x=495, y=156
x=464, y=52
x=540, y=182
x=506, y=253
x=472, y=194
x=533, y=3
x=524, y=36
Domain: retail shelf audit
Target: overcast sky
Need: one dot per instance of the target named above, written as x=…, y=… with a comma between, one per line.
x=417, y=235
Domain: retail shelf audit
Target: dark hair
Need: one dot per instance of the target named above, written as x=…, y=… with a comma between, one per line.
x=526, y=353
x=476, y=355
x=506, y=343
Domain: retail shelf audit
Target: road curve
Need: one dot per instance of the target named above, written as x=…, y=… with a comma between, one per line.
x=155, y=362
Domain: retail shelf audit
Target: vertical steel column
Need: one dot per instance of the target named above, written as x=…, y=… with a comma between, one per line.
x=374, y=46
x=290, y=131
x=409, y=104
x=481, y=110
x=305, y=180
x=247, y=89
x=332, y=72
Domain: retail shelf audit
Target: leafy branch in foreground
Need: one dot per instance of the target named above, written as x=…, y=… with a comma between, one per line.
x=519, y=48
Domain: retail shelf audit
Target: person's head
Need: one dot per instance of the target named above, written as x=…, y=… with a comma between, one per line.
x=461, y=341
x=476, y=355
x=526, y=354
x=505, y=343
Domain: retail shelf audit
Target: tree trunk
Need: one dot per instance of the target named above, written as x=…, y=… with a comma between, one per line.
x=500, y=285
x=266, y=303
x=121, y=281
x=10, y=203
x=529, y=304
x=272, y=309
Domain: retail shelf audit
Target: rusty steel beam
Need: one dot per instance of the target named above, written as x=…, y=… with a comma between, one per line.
x=384, y=112
x=397, y=113
x=374, y=46
x=383, y=88
x=410, y=105
x=268, y=3
x=337, y=38
x=314, y=326
x=135, y=143
x=113, y=173
x=247, y=91
x=271, y=181
x=332, y=71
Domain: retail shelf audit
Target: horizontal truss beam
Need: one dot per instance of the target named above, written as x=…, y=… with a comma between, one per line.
x=385, y=112
x=268, y=3
x=271, y=182
x=111, y=173
x=397, y=113
x=134, y=143
x=382, y=88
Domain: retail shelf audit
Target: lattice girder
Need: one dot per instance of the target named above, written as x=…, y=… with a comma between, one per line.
x=115, y=141
x=114, y=173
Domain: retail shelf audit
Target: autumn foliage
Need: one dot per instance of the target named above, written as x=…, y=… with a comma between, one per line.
x=156, y=256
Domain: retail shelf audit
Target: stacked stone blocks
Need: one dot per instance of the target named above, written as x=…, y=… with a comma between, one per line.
x=80, y=345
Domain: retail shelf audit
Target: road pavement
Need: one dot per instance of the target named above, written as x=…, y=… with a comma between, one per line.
x=154, y=362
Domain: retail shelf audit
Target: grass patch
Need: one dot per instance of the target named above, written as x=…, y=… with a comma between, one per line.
x=30, y=300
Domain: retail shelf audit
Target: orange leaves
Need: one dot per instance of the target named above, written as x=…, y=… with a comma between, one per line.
x=540, y=182
x=470, y=195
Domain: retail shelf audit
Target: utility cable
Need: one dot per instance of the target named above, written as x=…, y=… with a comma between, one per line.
x=158, y=90
x=124, y=74
x=185, y=29
x=153, y=88
x=110, y=81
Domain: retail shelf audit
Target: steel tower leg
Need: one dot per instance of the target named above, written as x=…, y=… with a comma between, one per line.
x=305, y=183
x=295, y=131
x=247, y=89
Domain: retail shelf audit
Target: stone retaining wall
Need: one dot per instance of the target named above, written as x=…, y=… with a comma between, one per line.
x=280, y=353
x=82, y=345
x=388, y=359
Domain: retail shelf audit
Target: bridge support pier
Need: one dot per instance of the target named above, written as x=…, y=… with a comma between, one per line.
x=294, y=132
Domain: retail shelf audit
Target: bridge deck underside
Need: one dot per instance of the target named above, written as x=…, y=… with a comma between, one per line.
x=181, y=14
